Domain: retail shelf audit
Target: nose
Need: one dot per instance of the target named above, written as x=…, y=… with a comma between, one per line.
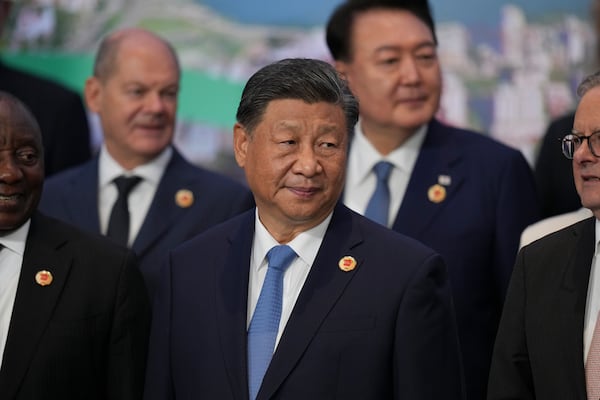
x=409, y=71
x=154, y=102
x=307, y=162
x=9, y=170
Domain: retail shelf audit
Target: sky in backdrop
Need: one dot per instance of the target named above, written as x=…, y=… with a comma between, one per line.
x=315, y=12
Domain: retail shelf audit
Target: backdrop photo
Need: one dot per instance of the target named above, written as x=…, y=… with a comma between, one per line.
x=509, y=68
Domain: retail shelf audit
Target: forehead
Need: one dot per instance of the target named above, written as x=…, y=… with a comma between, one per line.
x=389, y=27
x=141, y=57
x=296, y=108
x=16, y=124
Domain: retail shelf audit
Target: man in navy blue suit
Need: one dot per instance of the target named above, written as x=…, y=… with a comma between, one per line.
x=459, y=192
x=134, y=91
x=361, y=312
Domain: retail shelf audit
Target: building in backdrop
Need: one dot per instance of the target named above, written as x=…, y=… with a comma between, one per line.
x=509, y=67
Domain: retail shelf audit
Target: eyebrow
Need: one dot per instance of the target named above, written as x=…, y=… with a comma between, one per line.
x=426, y=44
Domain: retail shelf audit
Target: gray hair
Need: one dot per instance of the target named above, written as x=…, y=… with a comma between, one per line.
x=303, y=79
x=588, y=83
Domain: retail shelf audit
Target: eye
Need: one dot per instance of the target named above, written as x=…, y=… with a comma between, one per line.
x=170, y=94
x=388, y=61
x=135, y=91
x=28, y=157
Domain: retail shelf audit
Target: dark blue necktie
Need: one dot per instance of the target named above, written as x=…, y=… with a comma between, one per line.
x=264, y=325
x=379, y=204
x=118, y=224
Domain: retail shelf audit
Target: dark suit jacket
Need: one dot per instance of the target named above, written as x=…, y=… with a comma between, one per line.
x=60, y=114
x=73, y=197
x=476, y=228
x=85, y=335
x=554, y=172
x=539, y=349
x=385, y=330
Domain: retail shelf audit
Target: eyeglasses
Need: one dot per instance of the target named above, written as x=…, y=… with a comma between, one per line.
x=571, y=143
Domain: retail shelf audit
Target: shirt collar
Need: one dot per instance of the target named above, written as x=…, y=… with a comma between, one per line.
x=306, y=244
x=151, y=172
x=366, y=156
x=15, y=240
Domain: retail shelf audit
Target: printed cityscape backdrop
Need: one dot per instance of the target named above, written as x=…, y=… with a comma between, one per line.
x=509, y=67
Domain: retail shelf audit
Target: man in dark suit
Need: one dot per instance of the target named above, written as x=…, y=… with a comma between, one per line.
x=363, y=312
x=136, y=99
x=548, y=343
x=57, y=109
x=74, y=313
x=459, y=192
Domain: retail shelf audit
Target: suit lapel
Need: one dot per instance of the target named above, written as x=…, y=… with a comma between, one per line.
x=438, y=163
x=231, y=303
x=573, y=297
x=323, y=287
x=34, y=304
x=81, y=200
x=163, y=211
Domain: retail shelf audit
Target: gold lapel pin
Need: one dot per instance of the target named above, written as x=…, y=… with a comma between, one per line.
x=347, y=263
x=43, y=278
x=436, y=193
x=184, y=198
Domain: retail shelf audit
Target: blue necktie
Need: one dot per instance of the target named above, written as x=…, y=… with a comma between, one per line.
x=379, y=204
x=265, y=321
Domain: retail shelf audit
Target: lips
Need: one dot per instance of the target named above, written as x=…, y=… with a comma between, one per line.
x=305, y=192
x=10, y=200
x=590, y=178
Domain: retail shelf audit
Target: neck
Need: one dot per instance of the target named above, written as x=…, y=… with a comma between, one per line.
x=386, y=139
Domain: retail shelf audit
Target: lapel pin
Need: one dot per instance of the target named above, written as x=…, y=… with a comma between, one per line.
x=347, y=263
x=444, y=180
x=184, y=198
x=43, y=278
x=436, y=193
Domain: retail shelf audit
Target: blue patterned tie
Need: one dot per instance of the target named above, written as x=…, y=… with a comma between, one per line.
x=265, y=321
x=379, y=204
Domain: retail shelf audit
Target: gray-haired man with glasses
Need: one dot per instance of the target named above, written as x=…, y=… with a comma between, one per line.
x=548, y=343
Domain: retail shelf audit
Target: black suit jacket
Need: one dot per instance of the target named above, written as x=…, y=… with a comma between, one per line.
x=60, y=114
x=84, y=336
x=539, y=348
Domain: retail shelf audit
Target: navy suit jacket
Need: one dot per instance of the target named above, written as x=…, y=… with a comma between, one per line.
x=539, y=349
x=385, y=330
x=73, y=197
x=490, y=198
x=83, y=336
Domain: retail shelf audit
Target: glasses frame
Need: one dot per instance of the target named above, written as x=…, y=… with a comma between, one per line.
x=568, y=140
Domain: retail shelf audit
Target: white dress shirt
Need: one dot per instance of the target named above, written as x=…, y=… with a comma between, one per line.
x=361, y=180
x=593, y=298
x=141, y=195
x=11, y=259
x=306, y=245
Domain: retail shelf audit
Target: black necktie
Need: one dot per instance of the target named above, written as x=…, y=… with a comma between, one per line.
x=118, y=224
